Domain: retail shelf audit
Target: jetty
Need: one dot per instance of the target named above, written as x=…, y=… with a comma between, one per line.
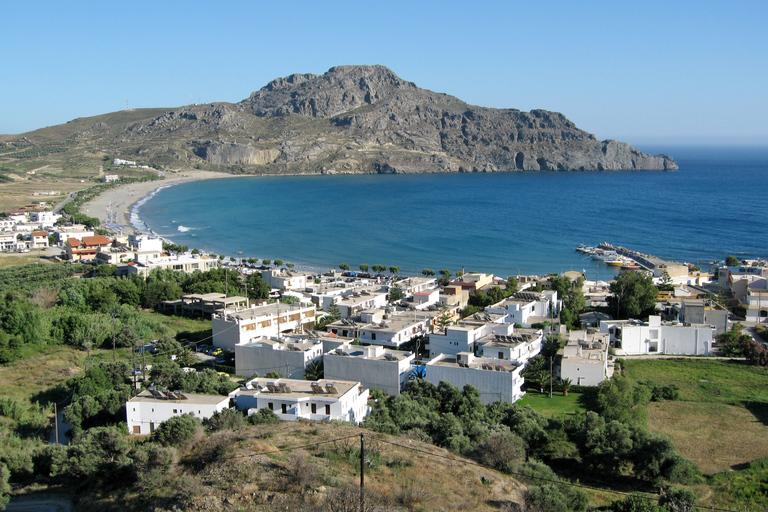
x=649, y=262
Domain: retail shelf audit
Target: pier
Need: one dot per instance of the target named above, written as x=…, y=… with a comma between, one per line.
x=649, y=262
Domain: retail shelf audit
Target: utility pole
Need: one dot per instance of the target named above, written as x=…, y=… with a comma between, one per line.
x=56, y=421
x=362, y=473
x=114, y=320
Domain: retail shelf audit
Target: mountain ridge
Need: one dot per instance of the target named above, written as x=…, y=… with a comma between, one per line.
x=352, y=119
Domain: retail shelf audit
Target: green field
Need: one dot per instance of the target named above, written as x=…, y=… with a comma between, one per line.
x=705, y=380
x=552, y=407
x=721, y=419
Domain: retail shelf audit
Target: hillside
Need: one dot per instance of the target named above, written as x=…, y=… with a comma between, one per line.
x=306, y=466
x=352, y=119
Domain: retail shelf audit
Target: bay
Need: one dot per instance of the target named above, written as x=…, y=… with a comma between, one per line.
x=503, y=223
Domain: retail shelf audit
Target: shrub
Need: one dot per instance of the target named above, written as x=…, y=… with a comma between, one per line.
x=177, y=430
x=263, y=417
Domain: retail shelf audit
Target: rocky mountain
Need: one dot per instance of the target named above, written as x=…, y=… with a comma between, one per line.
x=352, y=119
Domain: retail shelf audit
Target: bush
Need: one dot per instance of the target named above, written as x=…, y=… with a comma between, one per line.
x=229, y=419
x=502, y=450
x=177, y=430
x=678, y=498
x=263, y=417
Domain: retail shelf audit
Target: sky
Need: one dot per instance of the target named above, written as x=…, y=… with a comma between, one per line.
x=650, y=72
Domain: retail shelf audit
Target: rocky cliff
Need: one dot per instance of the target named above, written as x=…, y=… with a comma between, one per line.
x=359, y=119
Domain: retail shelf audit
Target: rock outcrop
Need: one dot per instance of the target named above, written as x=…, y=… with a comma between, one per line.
x=356, y=119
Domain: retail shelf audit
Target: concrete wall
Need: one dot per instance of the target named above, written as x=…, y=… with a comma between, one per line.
x=373, y=373
x=263, y=358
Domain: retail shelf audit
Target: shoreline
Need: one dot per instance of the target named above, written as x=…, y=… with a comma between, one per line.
x=123, y=199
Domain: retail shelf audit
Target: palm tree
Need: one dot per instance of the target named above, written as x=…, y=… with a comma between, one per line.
x=566, y=385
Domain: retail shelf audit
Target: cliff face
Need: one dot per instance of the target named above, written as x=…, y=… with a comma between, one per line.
x=357, y=119
x=377, y=109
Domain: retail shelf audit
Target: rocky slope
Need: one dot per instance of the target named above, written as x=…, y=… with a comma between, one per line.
x=355, y=119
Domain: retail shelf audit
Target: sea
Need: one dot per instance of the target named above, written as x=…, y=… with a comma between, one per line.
x=502, y=223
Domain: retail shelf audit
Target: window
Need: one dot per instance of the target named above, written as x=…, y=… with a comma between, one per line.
x=501, y=355
x=284, y=408
x=271, y=406
x=137, y=429
x=373, y=335
x=314, y=408
x=327, y=409
x=175, y=411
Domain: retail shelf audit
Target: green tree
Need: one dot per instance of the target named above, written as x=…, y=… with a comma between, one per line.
x=622, y=399
x=314, y=370
x=344, y=266
x=257, y=287
x=633, y=295
x=364, y=267
x=5, y=487
x=266, y=261
x=394, y=270
x=379, y=268
x=105, y=270
x=264, y=417
x=428, y=272
x=732, y=261
x=279, y=263
x=289, y=265
x=395, y=294
x=177, y=430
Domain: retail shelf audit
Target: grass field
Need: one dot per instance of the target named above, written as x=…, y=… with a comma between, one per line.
x=721, y=419
x=552, y=407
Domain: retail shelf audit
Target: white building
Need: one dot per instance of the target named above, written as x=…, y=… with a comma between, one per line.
x=518, y=346
x=496, y=379
x=585, y=359
x=352, y=304
x=380, y=327
x=290, y=358
x=44, y=219
x=148, y=409
x=634, y=337
x=525, y=308
x=183, y=263
x=238, y=327
x=146, y=244
x=282, y=279
x=464, y=336
x=373, y=365
x=292, y=399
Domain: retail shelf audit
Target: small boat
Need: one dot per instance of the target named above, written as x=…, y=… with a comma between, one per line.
x=630, y=266
x=616, y=262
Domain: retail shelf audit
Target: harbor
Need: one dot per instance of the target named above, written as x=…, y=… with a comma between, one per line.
x=629, y=259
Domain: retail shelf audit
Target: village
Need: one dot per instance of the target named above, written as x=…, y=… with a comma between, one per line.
x=389, y=329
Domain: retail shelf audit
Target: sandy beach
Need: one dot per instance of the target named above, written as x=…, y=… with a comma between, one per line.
x=122, y=199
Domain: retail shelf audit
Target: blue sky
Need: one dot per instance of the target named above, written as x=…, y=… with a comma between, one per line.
x=680, y=72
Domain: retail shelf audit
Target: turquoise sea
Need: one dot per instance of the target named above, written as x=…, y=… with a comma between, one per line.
x=503, y=223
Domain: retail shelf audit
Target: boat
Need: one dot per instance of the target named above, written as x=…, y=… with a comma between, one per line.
x=615, y=262
x=630, y=266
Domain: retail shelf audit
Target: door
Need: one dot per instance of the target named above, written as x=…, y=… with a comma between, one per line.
x=314, y=408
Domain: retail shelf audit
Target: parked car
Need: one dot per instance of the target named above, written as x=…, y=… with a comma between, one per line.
x=203, y=348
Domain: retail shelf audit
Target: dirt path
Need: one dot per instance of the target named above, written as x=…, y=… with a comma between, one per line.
x=39, y=503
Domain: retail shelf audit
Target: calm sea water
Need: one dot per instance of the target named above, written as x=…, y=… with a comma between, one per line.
x=504, y=223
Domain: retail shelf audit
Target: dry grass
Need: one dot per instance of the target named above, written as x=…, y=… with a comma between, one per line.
x=238, y=475
x=715, y=436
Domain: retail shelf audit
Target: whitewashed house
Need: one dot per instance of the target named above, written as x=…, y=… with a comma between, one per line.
x=293, y=399
x=373, y=365
x=463, y=337
x=525, y=308
x=518, y=346
x=148, y=409
x=241, y=326
x=497, y=380
x=289, y=358
x=585, y=360
x=635, y=337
